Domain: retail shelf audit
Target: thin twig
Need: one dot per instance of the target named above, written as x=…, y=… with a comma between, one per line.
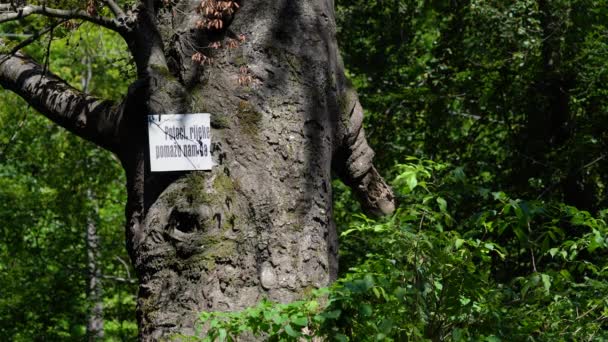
x=32, y=38
x=125, y=265
x=533, y=261
x=582, y=168
x=15, y=133
x=47, y=56
x=119, y=279
x=26, y=11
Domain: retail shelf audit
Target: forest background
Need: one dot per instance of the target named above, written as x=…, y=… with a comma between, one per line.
x=490, y=119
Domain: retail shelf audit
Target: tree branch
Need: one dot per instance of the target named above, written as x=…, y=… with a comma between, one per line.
x=89, y=117
x=353, y=162
x=120, y=279
x=28, y=10
x=118, y=12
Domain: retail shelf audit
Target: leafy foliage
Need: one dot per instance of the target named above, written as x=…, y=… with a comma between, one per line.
x=46, y=175
x=503, y=273
x=505, y=88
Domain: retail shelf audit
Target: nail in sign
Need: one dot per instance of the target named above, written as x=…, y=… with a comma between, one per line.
x=179, y=142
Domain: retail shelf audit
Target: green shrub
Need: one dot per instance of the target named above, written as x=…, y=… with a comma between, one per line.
x=455, y=262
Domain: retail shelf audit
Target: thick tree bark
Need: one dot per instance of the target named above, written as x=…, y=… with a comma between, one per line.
x=284, y=118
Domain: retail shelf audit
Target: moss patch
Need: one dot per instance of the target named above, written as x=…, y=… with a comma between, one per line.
x=197, y=100
x=195, y=188
x=240, y=61
x=222, y=250
x=223, y=184
x=171, y=197
x=214, y=251
x=198, y=104
x=163, y=71
x=295, y=67
x=306, y=291
x=229, y=223
x=249, y=118
x=219, y=121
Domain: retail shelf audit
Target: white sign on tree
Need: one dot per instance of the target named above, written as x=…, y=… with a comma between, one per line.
x=179, y=142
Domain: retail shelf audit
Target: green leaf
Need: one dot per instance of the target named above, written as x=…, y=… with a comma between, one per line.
x=596, y=242
x=340, y=338
x=289, y=330
x=365, y=310
x=457, y=335
x=223, y=334
x=386, y=326
x=400, y=292
x=332, y=314
x=300, y=320
x=553, y=251
x=443, y=205
x=546, y=280
x=438, y=285
x=411, y=181
x=521, y=235
x=458, y=243
x=464, y=300
x=278, y=319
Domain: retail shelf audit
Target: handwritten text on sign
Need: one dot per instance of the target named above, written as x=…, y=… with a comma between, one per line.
x=180, y=142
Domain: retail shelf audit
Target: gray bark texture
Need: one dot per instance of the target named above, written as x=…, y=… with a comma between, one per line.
x=95, y=290
x=284, y=119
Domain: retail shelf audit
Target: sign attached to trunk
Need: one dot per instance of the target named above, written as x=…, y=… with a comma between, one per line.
x=179, y=142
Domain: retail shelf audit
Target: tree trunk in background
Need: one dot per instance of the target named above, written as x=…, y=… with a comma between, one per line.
x=259, y=225
x=549, y=121
x=95, y=289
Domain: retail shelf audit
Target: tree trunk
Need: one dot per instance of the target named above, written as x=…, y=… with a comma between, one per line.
x=549, y=123
x=95, y=290
x=283, y=117
x=259, y=225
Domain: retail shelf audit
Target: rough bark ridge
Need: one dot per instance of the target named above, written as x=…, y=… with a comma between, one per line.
x=283, y=119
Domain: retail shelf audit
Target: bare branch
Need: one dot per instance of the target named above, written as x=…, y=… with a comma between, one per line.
x=94, y=119
x=120, y=279
x=124, y=263
x=118, y=12
x=28, y=10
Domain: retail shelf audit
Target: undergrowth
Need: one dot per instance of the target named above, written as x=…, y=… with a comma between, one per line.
x=456, y=262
